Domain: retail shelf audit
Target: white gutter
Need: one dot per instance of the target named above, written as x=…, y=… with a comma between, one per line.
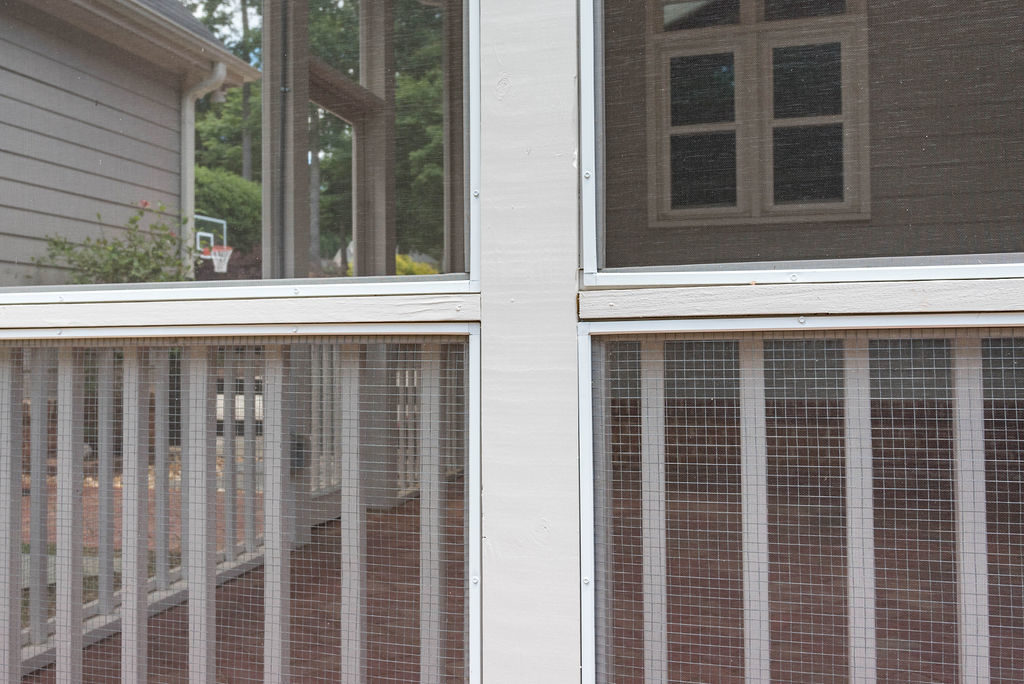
x=188, y=149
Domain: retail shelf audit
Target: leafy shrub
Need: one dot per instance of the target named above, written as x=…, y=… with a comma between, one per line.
x=225, y=195
x=404, y=265
x=141, y=255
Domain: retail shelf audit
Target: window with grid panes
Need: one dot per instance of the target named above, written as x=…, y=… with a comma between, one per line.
x=757, y=110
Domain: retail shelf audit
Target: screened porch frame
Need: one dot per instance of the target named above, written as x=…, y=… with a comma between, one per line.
x=973, y=581
x=71, y=632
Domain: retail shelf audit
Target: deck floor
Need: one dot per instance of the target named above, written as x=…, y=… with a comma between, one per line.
x=391, y=615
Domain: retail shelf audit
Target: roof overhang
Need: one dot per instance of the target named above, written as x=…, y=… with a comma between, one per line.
x=152, y=36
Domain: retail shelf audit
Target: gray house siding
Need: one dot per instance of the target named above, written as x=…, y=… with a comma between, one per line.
x=946, y=145
x=85, y=129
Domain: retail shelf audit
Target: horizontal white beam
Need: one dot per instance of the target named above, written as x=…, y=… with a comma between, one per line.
x=1002, y=266
x=820, y=324
x=181, y=331
x=942, y=296
x=251, y=310
x=275, y=289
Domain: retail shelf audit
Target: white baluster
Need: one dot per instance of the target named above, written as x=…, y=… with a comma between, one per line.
x=10, y=516
x=277, y=557
x=135, y=523
x=860, y=525
x=68, y=637
x=652, y=450
x=230, y=484
x=41, y=361
x=201, y=549
x=353, y=538
x=972, y=533
x=431, y=522
x=249, y=449
x=105, y=492
x=161, y=446
x=754, y=488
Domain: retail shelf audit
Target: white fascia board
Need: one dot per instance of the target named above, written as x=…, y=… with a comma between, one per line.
x=158, y=27
x=112, y=19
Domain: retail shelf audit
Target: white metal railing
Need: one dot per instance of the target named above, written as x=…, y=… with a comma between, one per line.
x=63, y=382
x=894, y=450
x=144, y=421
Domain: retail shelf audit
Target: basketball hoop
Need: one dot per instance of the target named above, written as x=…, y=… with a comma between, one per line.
x=220, y=255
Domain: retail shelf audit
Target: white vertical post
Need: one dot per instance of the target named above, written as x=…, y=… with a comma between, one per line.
x=134, y=512
x=40, y=360
x=200, y=559
x=316, y=455
x=652, y=474
x=10, y=517
x=474, y=524
x=431, y=522
x=161, y=447
x=69, y=523
x=331, y=415
x=972, y=534
x=754, y=494
x=600, y=575
x=334, y=417
x=860, y=517
x=296, y=420
x=249, y=449
x=105, y=444
x=187, y=428
x=353, y=540
x=230, y=485
x=277, y=557
x=401, y=403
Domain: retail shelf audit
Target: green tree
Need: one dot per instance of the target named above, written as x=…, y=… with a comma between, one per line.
x=220, y=129
x=419, y=126
x=223, y=18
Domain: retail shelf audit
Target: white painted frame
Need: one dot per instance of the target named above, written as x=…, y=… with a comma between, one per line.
x=950, y=267
x=456, y=283
x=862, y=617
x=471, y=331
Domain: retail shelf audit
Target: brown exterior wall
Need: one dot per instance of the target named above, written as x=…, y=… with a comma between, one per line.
x=946, y=145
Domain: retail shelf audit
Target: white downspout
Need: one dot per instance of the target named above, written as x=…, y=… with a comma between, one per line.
x=188, y=150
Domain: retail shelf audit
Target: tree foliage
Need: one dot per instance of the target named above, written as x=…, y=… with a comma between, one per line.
x=219, y=132
x=419, y=125
x=225, y=195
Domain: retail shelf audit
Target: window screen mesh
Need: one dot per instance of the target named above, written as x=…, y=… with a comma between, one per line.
x=789, y=508
x=768, y=134
x=254, y=498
